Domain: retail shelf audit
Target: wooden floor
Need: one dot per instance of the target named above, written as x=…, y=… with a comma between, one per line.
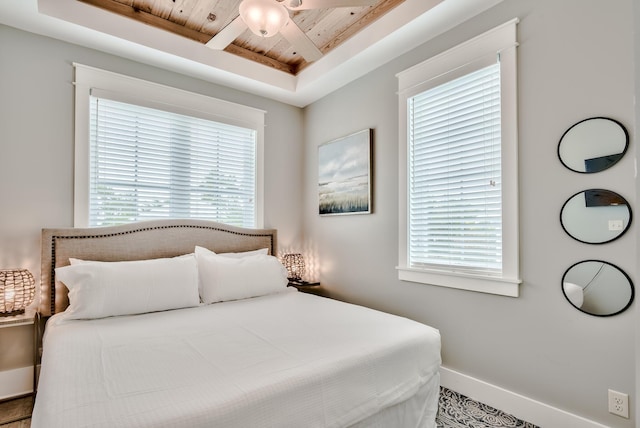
x=13, y=413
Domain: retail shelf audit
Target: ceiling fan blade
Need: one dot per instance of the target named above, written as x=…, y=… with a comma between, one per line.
x=299, y=40
x=227, y=35
x=325, y=4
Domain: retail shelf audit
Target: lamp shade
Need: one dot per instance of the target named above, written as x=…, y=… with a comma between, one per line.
x=294, y=263
x=263, y=17
x=574, y=293
x=17, y=289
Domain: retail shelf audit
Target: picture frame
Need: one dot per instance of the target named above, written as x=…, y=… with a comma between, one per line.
x=344, y=175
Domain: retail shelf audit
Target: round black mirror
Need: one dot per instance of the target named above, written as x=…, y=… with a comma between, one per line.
x=597, y=288
x=593, y=145
x=595, y=216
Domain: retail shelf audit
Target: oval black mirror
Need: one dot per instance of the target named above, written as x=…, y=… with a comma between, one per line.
x=597, y=288
x=595, y=216
x=593, y=145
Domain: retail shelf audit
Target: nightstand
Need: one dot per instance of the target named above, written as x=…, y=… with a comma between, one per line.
x=306, y=287
x=29, y=317
x=26, y=318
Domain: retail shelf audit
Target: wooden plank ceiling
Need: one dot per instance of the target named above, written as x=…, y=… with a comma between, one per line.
x=200, y=20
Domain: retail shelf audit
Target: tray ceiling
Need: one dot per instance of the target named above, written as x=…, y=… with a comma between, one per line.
x=200, y=20
x=352, y=46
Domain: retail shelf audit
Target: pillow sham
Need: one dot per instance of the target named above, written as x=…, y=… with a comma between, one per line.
x=234, y=278
x=234, y=255
x=244, y=253
x=105, y=289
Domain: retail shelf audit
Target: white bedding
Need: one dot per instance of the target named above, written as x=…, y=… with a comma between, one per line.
x=282, y=360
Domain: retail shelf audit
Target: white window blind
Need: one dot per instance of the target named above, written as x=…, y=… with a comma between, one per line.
x=455, y=210
x=146, y=163
x=458, y=165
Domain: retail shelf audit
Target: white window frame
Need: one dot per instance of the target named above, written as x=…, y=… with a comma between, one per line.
x=148, y=94
x=446, y=66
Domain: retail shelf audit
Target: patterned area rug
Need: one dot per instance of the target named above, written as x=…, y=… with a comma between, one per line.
x=459, y=411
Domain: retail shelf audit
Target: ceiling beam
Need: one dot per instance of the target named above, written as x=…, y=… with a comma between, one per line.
x=147, y=18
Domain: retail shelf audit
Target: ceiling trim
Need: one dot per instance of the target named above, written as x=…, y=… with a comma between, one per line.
x=408, y=25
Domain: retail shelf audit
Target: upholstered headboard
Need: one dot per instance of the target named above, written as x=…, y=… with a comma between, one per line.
x=138, y=241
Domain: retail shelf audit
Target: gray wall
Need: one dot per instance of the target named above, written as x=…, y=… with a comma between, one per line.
x=36, y=152
x=575, y=61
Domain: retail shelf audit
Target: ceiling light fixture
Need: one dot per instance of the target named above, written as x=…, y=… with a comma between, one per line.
x=263, y=17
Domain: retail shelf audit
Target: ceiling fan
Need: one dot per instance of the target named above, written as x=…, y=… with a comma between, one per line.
x=267, y=18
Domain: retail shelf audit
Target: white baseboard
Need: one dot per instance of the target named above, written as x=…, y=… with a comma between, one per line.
x=16, y=382
x=518, y=405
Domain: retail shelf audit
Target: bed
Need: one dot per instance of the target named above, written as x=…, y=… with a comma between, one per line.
x=266, y=357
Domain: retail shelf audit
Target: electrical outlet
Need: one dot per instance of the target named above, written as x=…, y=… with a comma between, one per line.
x=619, y=403
x=616, y=225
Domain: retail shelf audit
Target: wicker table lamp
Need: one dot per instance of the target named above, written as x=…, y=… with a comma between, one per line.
x=295, y=266
x=17, y=289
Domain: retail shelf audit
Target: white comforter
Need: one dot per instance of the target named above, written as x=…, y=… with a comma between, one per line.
x=282, y=360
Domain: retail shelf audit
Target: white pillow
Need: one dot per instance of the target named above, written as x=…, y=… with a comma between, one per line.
x=234, y=255
x=243, y=254
x=104, y=289
x=233, y=278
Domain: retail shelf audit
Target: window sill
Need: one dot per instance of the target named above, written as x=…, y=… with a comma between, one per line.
x=483, y=284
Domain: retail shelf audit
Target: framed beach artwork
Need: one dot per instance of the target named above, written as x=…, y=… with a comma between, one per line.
x=344, y=175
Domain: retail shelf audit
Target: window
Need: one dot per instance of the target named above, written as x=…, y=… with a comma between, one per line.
x=458, y=222
x=163, y=153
